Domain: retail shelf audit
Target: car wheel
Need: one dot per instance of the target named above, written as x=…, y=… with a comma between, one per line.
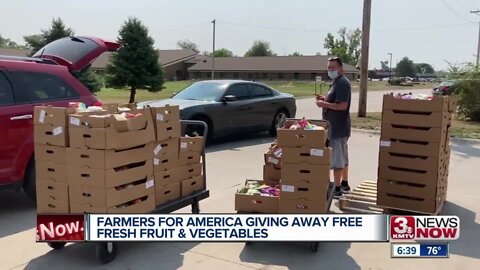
x=278, y=121
x=29, y=186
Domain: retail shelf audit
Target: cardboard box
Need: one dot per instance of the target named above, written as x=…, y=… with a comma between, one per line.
x=427, y=190
x=166, y=114
x=297, y=138
x=452, y=104
x=271, y=173
x=256, y=203
x=51, y=135
x=168, y=131
x=191, y=144
x=146, y=206
x=110, y=197
x=413, y=163
x=108, y=159
x=302, y=206
x=409, y=204
x=320, y=156
x=167, y=147
x=273, y=157
x=413, y=177
x=51, y=171
x=52, y=197
x=166, y=178
x=166, y=162
x=50, y=153
x=109, y=178
x=167, y=193
x=189, y=171
x=291, y=173
x=433, y=119
x=108, y=133
x=192, y=185
x=189, y=158
x=436, y=104
x=303, y=189
x=429, y=134
x=53, y=116
x=425, y=149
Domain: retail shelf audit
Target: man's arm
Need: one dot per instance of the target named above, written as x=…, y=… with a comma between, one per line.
x=341, y=101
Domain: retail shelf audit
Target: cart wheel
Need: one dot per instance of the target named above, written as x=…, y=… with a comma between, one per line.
x=314, y=246
x=56, y=245
x=195, y=208
x=106, y=252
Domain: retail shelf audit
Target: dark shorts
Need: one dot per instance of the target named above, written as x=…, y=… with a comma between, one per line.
x=339, y=152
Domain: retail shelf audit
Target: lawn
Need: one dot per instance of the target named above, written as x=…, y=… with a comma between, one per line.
x=298, y=89
x=461, y=129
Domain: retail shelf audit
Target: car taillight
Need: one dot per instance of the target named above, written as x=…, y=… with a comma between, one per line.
x=444, y=88
x=97, y=103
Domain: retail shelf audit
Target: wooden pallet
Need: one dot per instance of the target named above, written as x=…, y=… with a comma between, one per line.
x=362, y=199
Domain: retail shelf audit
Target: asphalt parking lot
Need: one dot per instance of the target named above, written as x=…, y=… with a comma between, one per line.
x=229, y=163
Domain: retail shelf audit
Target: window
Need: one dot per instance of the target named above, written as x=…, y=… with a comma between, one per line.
x=240, y=91
x=280, y=75
x=313, y=76
x=222, y=75
x=70, y=49
x=6, y=96
x=265, y=75
x=296, y=76
x=235, y=75
x=34, y=86
x=259, y=91
x=250, y=75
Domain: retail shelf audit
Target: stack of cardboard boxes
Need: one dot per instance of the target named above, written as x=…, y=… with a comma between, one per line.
x=414, y=153
x=118, y=159
x=299, y=165
x=305, y=170
x=177, y=160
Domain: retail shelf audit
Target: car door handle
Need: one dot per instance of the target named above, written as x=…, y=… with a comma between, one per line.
x=22, y=117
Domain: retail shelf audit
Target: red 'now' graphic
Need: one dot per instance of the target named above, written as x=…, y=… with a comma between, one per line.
x=68, y=228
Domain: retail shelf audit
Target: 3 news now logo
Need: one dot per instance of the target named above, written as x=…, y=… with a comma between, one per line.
x=424, y=228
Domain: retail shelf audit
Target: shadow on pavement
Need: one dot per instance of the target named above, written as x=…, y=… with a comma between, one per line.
x=298, y=256
x=130, y=256
x=467, y=245
x=466, y=149
x=238, y=141
x=17, y=213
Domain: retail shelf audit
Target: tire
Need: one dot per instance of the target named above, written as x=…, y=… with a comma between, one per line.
x=57, y=245
x=106, y=252
x=29, y=186
x=278, y=121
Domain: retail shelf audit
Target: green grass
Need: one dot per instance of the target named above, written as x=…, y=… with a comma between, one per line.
x=460, y=129
x=297, y=89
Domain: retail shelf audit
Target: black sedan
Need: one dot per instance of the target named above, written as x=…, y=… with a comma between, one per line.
x=232, y=106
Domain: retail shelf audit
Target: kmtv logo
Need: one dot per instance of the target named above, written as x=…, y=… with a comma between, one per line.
x=424, y=228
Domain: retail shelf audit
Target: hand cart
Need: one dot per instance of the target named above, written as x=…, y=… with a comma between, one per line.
x=331, y=187
x=107, y=251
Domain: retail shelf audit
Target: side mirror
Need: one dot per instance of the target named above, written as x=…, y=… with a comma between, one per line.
x=228, y=98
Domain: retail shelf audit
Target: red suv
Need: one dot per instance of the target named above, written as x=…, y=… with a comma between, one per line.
x=46, y=78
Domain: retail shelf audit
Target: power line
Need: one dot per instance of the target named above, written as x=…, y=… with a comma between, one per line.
x=183, y=28
x=426, y=28
x=456, y=13
x=462, y=4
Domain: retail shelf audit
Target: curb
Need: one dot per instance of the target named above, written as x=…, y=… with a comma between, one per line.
x=454, y=139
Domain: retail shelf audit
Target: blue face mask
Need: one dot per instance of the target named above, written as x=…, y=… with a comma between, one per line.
x=332, y=74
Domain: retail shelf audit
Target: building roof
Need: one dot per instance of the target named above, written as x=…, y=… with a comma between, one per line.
x=266, y=63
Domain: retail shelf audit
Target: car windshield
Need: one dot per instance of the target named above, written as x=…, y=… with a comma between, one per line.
x=202, y=91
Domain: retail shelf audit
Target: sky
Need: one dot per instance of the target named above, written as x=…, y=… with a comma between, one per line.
x=430, y=31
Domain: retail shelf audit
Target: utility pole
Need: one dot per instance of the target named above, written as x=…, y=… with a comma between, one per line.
x=362, y=102
x=213, y=52
x=390, y=73
x=478, y=45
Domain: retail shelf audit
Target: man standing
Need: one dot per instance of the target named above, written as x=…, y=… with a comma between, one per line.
x=336, y=109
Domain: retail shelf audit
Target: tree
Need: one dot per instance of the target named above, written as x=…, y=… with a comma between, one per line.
x=187, y=45
x=424, y=68
x=405, y=68
x=135, y=64
x=260, y=48
x=57, y=30
x=222, y=53
x=295, y=54
x=90, y=79
x=8, y=43
x=347, y=46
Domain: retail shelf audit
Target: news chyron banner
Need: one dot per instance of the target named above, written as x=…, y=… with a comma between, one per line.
x=212, y=228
